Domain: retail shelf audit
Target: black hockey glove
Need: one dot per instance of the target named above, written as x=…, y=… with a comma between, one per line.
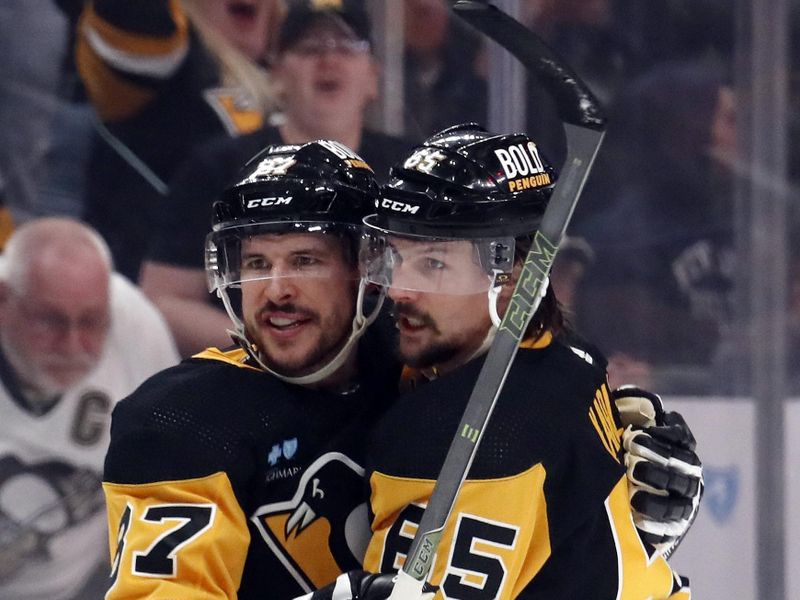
x=665, y=475
x=360, y=585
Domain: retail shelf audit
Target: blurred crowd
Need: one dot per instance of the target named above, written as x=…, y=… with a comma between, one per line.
x=129, y=118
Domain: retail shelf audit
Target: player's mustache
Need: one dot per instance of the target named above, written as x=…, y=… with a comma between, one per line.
x=288, y=307
x=404, y=309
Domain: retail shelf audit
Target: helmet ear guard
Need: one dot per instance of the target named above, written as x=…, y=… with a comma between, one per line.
x=497, y=256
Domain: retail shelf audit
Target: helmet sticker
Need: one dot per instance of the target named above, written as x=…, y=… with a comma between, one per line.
x=424, y=159
x=526, y=183
x=523, y=167
x=346, y=154
x=271, y=166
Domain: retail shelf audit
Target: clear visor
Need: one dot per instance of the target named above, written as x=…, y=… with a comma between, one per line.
x=301, y=249
x=434, y=264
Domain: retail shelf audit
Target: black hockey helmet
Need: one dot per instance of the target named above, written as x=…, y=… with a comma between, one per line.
x=466, y=182
x=318, y=181
x=320, y=188
x=462, y=184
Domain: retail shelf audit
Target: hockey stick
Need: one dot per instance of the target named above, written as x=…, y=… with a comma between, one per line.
x=584, y=124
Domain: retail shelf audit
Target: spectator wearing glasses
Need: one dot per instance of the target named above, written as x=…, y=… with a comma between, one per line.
x=326, y=76
x=74, y=339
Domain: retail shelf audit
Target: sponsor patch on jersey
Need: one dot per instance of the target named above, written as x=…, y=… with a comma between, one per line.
x=282, y=473
x=285, y=449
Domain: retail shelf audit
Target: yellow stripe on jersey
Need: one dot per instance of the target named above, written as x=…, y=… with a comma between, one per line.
x=411, y=377
x=139, y=44
x=505, y=524
x=176, y=539
x=543, y=341
x=643, y=573
x=603, y=421
x=236, y=357
x=114, y=97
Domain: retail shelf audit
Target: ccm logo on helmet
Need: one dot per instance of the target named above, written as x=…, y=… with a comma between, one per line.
x=271, y=201
x=401, y=207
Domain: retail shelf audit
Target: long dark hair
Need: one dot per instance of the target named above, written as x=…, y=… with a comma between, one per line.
x=549, y=316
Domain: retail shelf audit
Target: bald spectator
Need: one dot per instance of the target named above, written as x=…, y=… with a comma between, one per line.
x=74, y=339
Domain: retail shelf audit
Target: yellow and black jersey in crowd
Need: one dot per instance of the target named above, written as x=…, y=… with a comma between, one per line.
x=222, y=481
x=158, y=92
x=544, y=512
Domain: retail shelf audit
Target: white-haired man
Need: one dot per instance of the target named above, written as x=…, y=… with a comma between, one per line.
x=74, y=339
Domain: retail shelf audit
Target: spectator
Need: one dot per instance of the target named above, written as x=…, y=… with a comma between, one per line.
x=574, y=259
x=442, y=80
x=326, y=77
x=664, y=241
x=74, y=339
x=162, y=83
x=29, y=86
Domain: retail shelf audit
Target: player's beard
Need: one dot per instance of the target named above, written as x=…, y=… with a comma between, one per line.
x=430, y=355
x=321, y=352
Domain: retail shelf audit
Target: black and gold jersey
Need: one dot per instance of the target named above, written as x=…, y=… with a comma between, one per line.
x=544, y=512
x=222, y=481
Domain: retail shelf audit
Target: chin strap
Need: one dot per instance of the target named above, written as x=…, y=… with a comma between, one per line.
x=493, y=295
x=360, y=324
x=498, y=279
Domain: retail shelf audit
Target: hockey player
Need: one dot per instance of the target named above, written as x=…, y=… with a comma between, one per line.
x=544, y=512
x=327, y=75
x=75, y=338
x=237, y=473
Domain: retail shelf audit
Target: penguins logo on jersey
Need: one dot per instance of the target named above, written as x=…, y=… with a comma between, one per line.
x=322, y=530
x=38, y=502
